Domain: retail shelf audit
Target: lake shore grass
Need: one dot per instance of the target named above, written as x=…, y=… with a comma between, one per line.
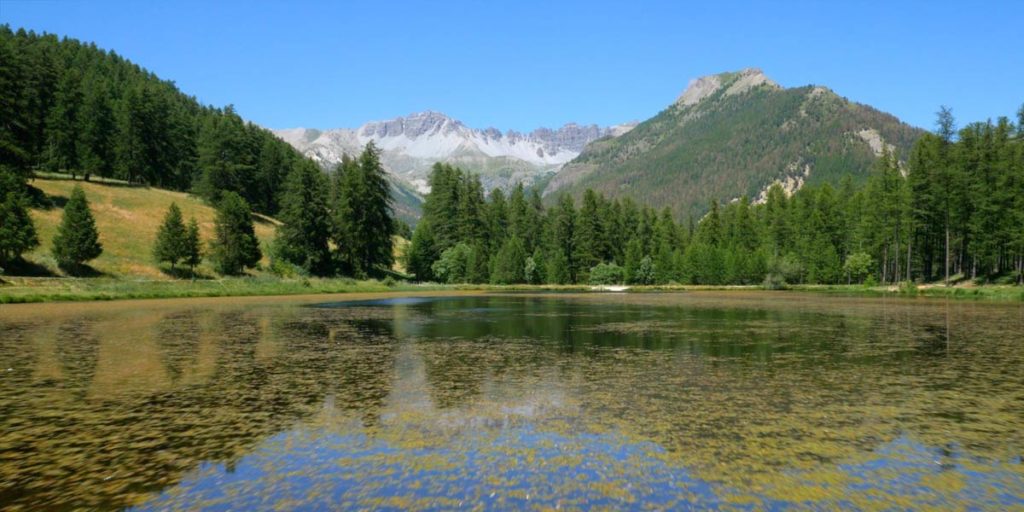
x=59, y=289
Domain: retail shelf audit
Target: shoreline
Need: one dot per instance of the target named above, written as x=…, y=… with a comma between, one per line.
x=20, y=290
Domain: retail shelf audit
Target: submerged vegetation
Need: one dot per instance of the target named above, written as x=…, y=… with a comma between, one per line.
x=701, y=400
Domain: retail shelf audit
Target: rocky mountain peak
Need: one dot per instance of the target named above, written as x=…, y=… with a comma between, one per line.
x=736, y=81
x=413, y=125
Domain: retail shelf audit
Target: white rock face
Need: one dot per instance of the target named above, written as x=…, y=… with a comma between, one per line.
x=748, y=79
x=700, y=88
x=874, y=139
x=411, y=145
x=793, y=180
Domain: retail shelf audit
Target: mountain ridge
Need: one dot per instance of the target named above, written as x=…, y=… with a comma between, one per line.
x=412, y=144
x=733, y=134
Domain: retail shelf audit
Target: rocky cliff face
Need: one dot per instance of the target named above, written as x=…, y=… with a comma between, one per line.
x=412, y=144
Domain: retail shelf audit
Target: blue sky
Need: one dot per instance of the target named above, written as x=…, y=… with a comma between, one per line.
x=522, y=64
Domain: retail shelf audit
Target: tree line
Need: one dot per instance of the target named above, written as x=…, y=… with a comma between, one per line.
x=957, y=207
x=340, y=226
x=71, y=107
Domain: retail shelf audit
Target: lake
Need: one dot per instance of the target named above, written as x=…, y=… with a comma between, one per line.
x=736, y=400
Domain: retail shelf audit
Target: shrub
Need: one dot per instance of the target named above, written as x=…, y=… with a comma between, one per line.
x=607, y=273
x=774, y=281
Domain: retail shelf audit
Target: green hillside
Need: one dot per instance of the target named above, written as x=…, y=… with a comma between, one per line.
x=734, y=134
x=127, y=218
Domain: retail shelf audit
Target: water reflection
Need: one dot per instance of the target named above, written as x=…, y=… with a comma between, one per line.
x=701, y=400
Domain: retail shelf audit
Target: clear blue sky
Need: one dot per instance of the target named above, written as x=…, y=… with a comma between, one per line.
x=523, y=64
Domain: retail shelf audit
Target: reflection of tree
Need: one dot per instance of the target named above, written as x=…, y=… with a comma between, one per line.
x=749, y=398
x=365, y=361
x=78, y=360
x=108, y=451
x=177, y=335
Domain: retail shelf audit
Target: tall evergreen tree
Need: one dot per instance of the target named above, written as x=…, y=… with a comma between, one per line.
x=510, y=263
x=97, y=128
x=422, y=252
x=62, y=123
x=365, y=220
x=234, y=247
x=77, y=239
x=17, y=232
x=171, y=238
x=302, y=238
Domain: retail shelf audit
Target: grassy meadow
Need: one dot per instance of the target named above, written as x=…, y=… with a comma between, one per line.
x=127, y=218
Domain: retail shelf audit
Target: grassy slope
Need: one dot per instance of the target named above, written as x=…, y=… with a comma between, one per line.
x=127, y=219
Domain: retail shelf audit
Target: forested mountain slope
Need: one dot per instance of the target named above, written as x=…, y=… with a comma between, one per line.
x=735, y=134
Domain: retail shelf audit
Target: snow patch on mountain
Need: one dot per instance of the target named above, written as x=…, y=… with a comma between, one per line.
x=411, y=145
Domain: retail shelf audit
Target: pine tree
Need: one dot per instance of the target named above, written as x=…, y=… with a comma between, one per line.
x=17, y=232
x=422, y=252
x=302, y=239
x=193, y=247
x=97, y=128
x=563, y=241
x=590, y=242
x=364, y=220
x=62, y=123
x=171, y=238
x=634, y=254
x=234, y=246
x=77, y=239
x=510, y=263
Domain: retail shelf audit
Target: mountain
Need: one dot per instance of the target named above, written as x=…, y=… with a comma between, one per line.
x=735, y=134
x=411, y=145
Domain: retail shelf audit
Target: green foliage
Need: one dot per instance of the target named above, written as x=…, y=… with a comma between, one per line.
x=171, y=244
x=193, y=246
x=17, y=232
x=646, y=273
x=67, y=105
x=533, y=270
x=727, y=146
x=453, y=265
x=77, y=239
x=607, y=274
x=234, y=247
x=422, y=252
x=858, y=266
x=364, y=222
x=510, y=263
x=888, y=228
x=773, y=281
x=302, y=239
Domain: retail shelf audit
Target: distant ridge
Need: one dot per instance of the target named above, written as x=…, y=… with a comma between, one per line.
x=412, y=144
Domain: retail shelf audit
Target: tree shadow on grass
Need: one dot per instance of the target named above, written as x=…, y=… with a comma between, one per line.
x=184, y=273
x=82, y=270
x=24, y=268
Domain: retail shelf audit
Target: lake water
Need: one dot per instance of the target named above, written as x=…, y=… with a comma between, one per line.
x=730, y=400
